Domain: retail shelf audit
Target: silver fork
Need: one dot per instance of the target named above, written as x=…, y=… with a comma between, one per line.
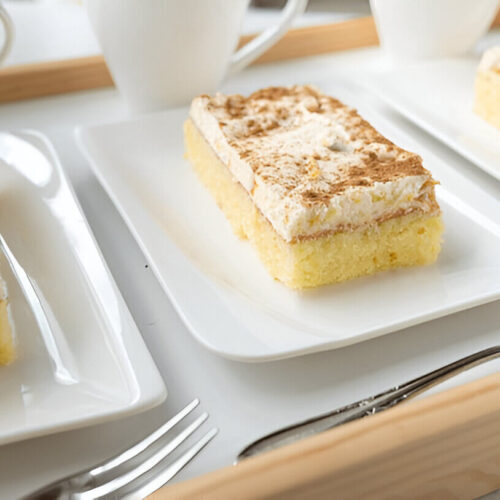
x=132, y=474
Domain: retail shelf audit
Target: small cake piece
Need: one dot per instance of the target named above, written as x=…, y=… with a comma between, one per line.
x=7, y=343
x=487, y=102
x=317, y=190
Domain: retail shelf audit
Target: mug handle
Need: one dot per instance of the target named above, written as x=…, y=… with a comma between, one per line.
x=253, y=49
x=9, y=33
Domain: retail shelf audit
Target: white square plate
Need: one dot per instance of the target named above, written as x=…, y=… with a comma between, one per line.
x=220, y=288
x=438, y=96
x=96, y=366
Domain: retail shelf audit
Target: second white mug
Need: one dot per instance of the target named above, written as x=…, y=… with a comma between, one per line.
x=162, y=53
x=411, y=29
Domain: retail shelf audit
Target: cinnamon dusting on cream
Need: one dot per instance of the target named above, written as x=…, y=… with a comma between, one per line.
x=303, y=156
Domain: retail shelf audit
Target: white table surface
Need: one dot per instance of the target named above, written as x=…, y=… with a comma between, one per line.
x=244, y=400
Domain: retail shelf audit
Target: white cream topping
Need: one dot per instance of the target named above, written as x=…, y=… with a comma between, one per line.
x=353, y=208
x=280, y=188
x=208, y=125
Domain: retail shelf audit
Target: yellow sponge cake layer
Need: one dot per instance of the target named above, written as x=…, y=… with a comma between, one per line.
x=7, y=347
x=487, y=99
x=408, y=240
x=487, y=102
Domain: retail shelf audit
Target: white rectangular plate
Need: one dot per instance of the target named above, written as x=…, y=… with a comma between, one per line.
x=220, y=288
x=438, y=96
x=96, y=366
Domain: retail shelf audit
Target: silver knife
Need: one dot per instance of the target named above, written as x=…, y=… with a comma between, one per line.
x=368, y=406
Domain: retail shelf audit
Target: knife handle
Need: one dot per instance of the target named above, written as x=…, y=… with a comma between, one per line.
x=367, y=406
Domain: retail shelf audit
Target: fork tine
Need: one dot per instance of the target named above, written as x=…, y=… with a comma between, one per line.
x=139, y=447
x=169, y=472
x=124, y=479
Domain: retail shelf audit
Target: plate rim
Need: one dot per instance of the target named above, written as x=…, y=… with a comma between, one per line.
x=81, y=134
x=147, y=396
x=382, y=91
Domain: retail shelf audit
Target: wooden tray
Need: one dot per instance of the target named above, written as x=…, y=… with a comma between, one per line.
x=446, y=446
x=443, y=446
x=59, y=77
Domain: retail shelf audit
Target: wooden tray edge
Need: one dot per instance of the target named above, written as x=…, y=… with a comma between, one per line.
x=59, y=77
x=443, y=446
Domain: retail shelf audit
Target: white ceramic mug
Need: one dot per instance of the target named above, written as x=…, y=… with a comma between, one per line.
x=8, y=28
x=419, y=29
x=162, y=53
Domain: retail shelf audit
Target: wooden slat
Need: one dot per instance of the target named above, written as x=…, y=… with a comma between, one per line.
x=446, y=446
x=496, y=21
x=58, y=77
x=313, y=40
x=51, y=78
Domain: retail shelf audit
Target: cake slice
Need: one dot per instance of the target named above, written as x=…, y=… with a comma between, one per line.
x=7, y=344
x=321, y=195
x=487, y=101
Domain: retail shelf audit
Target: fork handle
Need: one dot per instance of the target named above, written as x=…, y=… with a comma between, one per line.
x=368, y=406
